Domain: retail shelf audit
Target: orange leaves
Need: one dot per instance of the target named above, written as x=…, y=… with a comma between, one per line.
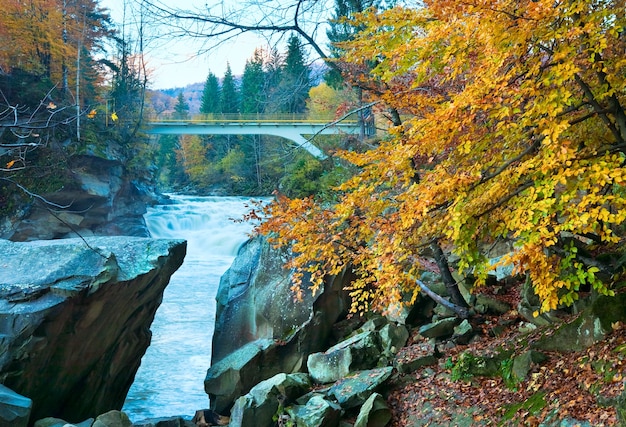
x=513, y=128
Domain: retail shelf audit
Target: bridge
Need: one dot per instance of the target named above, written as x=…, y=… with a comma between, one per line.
x=292, y=127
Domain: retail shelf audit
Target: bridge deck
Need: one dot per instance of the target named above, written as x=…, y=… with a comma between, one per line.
x=290, y=127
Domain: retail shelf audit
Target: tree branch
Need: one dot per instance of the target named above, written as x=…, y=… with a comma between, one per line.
x=462, y=312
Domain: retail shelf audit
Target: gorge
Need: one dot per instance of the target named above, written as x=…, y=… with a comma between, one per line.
x=183, y=326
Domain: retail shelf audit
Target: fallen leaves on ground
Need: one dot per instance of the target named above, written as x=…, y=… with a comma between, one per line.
x=580, y=385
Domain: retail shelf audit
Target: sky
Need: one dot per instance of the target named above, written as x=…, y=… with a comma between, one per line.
x=178, y=64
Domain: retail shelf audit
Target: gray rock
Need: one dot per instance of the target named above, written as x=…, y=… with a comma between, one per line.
x=112, y=419
x=317, y=412
x=373, y=324
x=463, y=332
x=358, y=352
x=373, y=413
x=330, y=366
x=408, y=366
x=354, y=390
x=255, y=301
x=52, y=422
x=75, y=317
x=440, y=328
x=591, y=326
x=57, y=422
x=102, y=199
x=393, y=337
x=523, y=362
x=254, y=304
x=502, y=271
x=492, y=305
x=14, y=408
x=259, y=406
x=235, y=375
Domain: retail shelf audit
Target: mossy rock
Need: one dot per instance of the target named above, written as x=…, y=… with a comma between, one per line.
x=590, y=327
x=469, y=365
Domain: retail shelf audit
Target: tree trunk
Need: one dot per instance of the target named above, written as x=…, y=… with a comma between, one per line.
x=446, y=276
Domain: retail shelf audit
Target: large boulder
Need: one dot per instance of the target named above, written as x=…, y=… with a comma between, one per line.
x=262, y=403
x=591, y=326
x=75, y=317
x=355, y=353
x=255, y=305
x=255, y=301
x=237, y=373
x=316, y=412
x=374, y=412
x=355, y=389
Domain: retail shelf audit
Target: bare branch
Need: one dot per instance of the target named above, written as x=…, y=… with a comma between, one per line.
x=217, y=24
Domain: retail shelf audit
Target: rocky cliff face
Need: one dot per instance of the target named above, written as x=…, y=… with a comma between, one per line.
x=75, y=317
x=260, y=330
x=98, y=199
x=254, y=301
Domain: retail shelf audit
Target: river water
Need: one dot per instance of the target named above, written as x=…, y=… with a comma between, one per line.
x=170, y=380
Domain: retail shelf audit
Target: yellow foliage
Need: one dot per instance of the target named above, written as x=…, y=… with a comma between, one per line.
x=514, y=129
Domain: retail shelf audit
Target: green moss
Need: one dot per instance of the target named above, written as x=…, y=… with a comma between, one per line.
x=534, y=404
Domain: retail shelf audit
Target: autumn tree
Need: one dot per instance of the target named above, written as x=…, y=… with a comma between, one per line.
x=46, y=37
x=342, y=29
x=49, y=76
x=514, y=131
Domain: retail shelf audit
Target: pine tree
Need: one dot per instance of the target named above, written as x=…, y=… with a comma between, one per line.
x=211, y=96
x=273, y=68
x=181, y=109
x=296, y=81
x=229, y=100
x=252, y=85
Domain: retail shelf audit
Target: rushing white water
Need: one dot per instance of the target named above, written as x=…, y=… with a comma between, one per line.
x=170, y=380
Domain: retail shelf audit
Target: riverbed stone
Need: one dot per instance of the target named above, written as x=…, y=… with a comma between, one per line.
x=235, y=375
x=165, y=422
x=75, y=316
x=57, y=422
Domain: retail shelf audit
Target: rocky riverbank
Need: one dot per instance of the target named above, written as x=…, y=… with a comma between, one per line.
x=280, y=363
x=415, y=368
x=76, y=317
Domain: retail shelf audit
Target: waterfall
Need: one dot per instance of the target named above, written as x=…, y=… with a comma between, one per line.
x=170, y=380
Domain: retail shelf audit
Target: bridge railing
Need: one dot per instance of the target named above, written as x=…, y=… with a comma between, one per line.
x=256, y=118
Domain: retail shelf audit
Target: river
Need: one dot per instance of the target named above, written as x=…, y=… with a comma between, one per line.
x=170, y=380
